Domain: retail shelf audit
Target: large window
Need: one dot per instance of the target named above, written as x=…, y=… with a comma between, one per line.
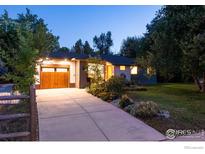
x=92, y=68
x=134, y=70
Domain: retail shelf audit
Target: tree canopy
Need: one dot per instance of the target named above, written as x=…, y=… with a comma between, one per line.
x=175, y=38
x=22, y=41
x=103, y=43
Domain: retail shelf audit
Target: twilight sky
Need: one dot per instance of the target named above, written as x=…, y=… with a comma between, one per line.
x=73, y=22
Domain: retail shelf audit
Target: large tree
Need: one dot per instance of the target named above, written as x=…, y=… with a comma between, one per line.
x=78, y=47
x=19, y=49
x=87, y=48
x=132, y=47
x=175, y=38
x=103, y=43
x=43, y=39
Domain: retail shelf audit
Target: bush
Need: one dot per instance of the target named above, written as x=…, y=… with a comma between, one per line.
x=124, y=101
x=104, y=96
x=146, y=109
x=96, y=89
x=115, y=85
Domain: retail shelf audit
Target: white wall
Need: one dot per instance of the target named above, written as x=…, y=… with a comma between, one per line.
x=72, y=72
x=127, y=72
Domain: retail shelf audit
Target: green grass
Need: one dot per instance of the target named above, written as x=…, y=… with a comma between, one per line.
x=184, y=102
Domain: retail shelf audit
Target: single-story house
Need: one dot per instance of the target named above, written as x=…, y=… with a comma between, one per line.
x=67, y=69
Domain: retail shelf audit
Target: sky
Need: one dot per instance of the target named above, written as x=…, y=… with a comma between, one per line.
x=71, y=23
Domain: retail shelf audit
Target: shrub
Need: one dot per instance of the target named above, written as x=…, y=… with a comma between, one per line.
x=146, y=109
x=95, y=89
x=104, y=96
x=124, y=101
x=115, y=85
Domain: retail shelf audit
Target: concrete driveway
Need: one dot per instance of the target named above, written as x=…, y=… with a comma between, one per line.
x=74, y=115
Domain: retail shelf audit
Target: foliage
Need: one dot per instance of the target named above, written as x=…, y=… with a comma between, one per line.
x=78, y=47
x=115, y=85
x=64, y=49
x=183, y=101
x=124, y=101
x=95, y=70
x=103, y=43
x=22, y=41
x=87, y=48
x=43, y=39
x=146, y=109
x=107, y=90
x=132, y=47
x=174, y=44
x=104, y=96
x=96, y=89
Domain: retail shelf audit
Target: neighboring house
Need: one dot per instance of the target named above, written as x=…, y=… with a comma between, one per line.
x=68, y=69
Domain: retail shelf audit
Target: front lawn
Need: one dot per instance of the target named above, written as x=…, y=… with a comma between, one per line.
x=185, y=104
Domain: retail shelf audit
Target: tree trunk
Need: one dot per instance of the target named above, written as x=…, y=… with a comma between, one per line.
x=203, y=84
x=196, y=80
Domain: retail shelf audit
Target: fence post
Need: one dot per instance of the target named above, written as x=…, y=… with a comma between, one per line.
x=33, y=115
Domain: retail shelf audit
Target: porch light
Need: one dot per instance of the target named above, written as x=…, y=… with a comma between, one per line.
x=73, y=59
x=40, y=60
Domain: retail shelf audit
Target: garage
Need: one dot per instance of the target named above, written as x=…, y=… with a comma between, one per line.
x=54, y=77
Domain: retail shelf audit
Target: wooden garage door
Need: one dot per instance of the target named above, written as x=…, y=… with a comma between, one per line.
x=54, y=79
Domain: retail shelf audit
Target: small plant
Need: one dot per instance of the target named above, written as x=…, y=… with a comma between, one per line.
x=124, y=101
x=146, y=109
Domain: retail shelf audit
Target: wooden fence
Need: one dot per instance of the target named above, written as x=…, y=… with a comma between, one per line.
x=32, y=134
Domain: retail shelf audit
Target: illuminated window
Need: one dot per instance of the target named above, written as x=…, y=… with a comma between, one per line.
x=134, y=70
x=149, y=69
x=48, y=70
x=61, y=70
x=122, y=68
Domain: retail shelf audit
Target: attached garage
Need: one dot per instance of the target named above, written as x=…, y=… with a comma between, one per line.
x=54, y=77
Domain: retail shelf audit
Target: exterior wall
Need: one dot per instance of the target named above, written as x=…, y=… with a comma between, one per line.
x=83, y=75
x=126, y=72
x=77, y=74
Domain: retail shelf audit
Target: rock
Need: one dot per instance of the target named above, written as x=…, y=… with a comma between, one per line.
x=115, y=102
x=164, y=114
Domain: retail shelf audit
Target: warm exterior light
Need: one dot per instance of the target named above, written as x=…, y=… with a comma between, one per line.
x=65, y=62
x=73, y=59
x=47, y=58
x=47, y=62
x=122, y=68
x=40, y=60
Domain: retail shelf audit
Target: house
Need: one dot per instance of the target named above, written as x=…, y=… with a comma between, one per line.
x=67, y=69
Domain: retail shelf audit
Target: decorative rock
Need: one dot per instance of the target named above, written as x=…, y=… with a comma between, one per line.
x=115, y=102
x=164, y=113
